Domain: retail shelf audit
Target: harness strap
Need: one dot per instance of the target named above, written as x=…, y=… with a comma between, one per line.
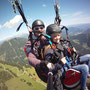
x=43, y=51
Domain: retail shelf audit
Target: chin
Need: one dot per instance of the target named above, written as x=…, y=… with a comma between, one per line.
x=37, y=35
x=57, y=41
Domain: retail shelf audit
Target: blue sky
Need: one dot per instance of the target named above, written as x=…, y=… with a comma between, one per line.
x=71, y=12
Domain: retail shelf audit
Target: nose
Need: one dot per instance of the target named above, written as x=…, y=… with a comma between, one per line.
x=41, y=30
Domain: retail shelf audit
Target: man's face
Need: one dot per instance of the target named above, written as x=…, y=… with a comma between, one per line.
x=38, y=30
x=56, y=37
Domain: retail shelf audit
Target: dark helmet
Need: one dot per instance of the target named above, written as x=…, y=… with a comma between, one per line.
x=53, y=28
x=37, y=23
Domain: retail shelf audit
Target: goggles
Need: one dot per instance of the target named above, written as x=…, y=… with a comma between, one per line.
x=37, y=28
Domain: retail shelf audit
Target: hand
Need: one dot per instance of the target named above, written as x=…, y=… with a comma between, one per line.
x=63, y=60
x=74, y=49
x=50, y=66
x=45, y=65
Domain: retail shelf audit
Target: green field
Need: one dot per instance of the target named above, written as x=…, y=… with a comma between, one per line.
x=12, y=78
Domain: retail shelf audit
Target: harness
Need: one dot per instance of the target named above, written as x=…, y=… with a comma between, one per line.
x=65, y=47
x=69, y=51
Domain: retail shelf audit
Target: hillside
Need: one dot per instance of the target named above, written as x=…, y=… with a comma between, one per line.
x=82, y=43
x=13, y=51
x=13, y=78
x=79, y=29
x=15, y=71
x=87, y=31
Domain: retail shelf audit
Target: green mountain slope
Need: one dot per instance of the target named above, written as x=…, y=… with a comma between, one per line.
x=15, y=71
x=82, y=43
x=13, y=78
x=13, y=51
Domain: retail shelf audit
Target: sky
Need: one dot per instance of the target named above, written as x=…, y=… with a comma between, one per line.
x=71, y=12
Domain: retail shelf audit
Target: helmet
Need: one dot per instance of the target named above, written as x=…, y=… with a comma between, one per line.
x=37, y=23
x=53, y=28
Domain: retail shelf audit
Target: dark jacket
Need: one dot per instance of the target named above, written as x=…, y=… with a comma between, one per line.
x=34, y=56
x=63, y=49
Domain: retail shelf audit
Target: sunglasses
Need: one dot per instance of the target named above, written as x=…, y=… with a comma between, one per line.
x=39, y=27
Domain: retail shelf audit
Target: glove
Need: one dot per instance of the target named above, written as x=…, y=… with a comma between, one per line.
x=63, y=60
x=50, y=66
x=43, y=65
x=56, y=68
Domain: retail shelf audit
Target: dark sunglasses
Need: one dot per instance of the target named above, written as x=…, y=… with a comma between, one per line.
x=39, y=27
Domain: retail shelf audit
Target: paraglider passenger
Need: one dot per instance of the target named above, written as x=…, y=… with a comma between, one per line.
x=59, y=54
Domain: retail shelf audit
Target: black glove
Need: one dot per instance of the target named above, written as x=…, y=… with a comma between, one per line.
x=48, y=65
x=43, y=65
x=56, y=67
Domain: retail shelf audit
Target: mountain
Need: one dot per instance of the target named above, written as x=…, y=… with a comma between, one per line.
x=75, y=31
x=15, y=71
x=82, y=26
x=87, y=31
x=82, y=43
x=78, y=29
x=1, y=42
x=13, y=51
x=24, y=36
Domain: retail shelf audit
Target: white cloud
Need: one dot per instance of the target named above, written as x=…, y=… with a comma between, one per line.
x=76, y=21
x=44, y=5
x=14, y=36
x=6, y=38
x=21, y=34
x=0, y=26
x=13, y=22
x=65, y=15
x=77, y=13
x=73, y=14
x=75, y=18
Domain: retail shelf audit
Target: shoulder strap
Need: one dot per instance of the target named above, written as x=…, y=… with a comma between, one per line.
x=43, y=51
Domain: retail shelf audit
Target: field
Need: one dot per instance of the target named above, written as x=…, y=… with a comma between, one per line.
x=12, y=78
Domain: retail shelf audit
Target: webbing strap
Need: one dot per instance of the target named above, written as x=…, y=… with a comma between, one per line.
x=43, y=51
